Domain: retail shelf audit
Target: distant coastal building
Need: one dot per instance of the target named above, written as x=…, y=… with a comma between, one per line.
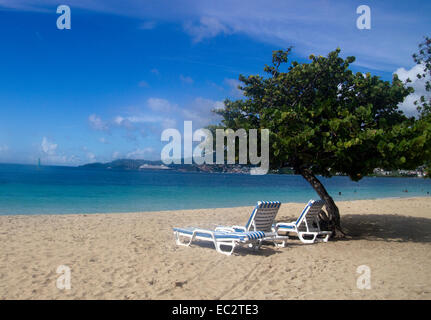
x=154, y=167
x=400, y=173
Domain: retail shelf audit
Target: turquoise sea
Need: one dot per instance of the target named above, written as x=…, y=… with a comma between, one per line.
x=28, y=189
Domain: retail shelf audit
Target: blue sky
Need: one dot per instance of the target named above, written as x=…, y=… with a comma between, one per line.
x=129, y=69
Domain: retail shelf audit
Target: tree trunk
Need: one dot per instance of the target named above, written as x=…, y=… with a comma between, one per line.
x=333, y=217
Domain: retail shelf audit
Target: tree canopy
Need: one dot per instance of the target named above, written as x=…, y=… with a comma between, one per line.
x=423, y=57
x=324, y=119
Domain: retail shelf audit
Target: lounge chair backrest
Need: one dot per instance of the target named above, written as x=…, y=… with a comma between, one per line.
x=309, y=218
x=263, y=215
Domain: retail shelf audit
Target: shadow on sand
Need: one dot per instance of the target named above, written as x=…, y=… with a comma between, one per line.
x=372, y=227
x=387, y=227
x=266, y=250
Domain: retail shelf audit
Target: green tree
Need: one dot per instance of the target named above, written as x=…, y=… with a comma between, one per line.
x=324, y=119
x=423, y=57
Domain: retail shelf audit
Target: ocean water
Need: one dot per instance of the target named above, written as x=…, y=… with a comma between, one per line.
x=62, y=190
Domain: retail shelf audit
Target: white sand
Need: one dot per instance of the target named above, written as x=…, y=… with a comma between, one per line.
x=134, y=256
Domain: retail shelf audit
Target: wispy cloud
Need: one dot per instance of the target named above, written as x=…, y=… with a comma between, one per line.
x=207, y=27
x=418, y=85
x=131, y=122
x=91, y=156
x=145, y=153
x=158, y=114
x=50, y=154
x=148, y=25
x=48, y=147
x=199, y=110
x=313, y=26
x=187, y=80
x=160, y=105
x=97, y=123
x=234, y=90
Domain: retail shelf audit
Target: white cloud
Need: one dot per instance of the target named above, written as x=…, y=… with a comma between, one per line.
x=168, y=123
x=160, y=105
x=130, y=122
x=91, y=156
x=233, y=85
x=48, y=147
x=207, y=27
x=165, y=114
x=187, y=80
x=200, y=112
x=124, y=122
x=148, y=25
x=145, y=153
x=23, y=5
x=51, y=156
x=97, y=123
x=418, y=85
x=313, y=26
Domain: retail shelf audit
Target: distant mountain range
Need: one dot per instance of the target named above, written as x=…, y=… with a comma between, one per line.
x=135, y=164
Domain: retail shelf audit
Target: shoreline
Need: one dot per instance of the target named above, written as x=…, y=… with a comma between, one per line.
x=207, y=208
x=134, y=256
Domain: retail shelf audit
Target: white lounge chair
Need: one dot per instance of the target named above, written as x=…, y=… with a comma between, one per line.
x=261, y=219
x=307, y=226
x=220, y=238
x=257, y=229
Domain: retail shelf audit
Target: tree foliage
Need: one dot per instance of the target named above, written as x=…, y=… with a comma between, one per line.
x=324, y=119
x=423, y=57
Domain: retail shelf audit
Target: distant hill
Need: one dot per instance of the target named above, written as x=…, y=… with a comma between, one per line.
x=135, y=164
x=123, y=164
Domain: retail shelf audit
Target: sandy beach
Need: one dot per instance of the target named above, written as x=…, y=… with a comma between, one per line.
x=134, y=256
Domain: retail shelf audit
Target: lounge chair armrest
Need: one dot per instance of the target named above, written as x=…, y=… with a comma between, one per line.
x=289, y=226
x=225, y=229
x=283, y=224
x=197, y=230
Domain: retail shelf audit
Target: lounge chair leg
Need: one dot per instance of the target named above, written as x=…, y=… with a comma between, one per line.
x=178, y=241
x=219, y=244
x=325, y=239
x=281, y=244
x=256, y=246
x=307, y=241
